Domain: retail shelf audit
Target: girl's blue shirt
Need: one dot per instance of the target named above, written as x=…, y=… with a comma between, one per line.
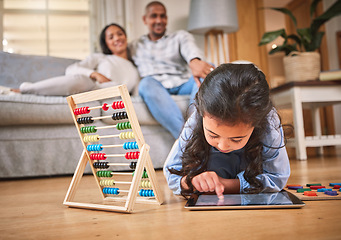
x=276, y=167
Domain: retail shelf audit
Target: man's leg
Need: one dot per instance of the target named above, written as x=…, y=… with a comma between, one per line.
x=189, y=88
x=161, y=105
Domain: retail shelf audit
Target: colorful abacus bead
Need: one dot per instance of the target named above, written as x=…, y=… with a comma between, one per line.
x=107, y=182
x=85, y=120
x=100, y=165
x=91, y=138
x=113, y=191
x=145, y=184
x=119, y=116
x=144, y=174
x=123, y=126
x=126, y=135
x=146, y=193
x=104, y=174
x=105, y=107
x=94, y=147
x=132, y=155
x=88, y=129
x=98, y=156
x=82, y=110
x=130, y=145
x=117, y=105
x=132, y=165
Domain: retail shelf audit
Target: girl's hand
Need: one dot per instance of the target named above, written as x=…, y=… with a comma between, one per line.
x=209, y=182
x=99, y=77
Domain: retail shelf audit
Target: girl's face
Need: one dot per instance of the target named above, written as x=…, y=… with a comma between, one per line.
x=116, y=40
x=224, y=137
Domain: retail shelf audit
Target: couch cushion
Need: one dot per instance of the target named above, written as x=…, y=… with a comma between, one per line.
x=26, y=109
x=39, y=150
x=16, y=69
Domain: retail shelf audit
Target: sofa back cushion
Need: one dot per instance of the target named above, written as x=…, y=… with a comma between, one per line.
x=16, y=69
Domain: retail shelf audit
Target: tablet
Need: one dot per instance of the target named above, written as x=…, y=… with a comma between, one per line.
x=282, y=199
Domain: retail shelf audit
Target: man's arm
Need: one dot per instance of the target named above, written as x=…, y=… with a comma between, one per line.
x=193, y=55
x=199, y=69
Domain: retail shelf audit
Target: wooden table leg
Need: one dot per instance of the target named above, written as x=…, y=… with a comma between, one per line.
x=317, y=126
x=301, y=152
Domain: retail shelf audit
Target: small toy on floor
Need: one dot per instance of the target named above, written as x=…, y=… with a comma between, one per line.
x=315, y=191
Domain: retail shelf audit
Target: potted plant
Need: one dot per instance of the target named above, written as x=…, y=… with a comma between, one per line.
x=302, y=61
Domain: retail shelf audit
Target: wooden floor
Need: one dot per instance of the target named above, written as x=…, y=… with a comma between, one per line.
x=33, y=209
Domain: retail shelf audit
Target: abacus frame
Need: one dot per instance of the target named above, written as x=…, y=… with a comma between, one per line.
x=143, y=162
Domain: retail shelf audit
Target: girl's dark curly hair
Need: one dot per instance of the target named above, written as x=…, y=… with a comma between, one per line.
x=233, y=93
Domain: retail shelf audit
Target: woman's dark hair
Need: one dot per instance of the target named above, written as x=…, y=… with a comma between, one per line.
x=104, y=47
x=233, y=93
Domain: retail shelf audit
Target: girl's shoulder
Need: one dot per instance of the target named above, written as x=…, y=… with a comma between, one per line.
x=273, y=119
x=274, y=128
x=189, y=125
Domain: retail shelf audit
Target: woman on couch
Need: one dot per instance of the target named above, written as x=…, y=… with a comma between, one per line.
x=100, y=70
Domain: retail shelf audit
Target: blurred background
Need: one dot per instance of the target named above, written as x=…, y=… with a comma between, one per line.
x=70, y=29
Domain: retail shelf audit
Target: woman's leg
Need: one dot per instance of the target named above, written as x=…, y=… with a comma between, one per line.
x=59, y=86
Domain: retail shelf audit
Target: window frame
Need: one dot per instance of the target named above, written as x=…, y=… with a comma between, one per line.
x=46, y=13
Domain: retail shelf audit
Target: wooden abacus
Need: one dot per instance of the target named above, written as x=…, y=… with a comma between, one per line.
x=143, y=167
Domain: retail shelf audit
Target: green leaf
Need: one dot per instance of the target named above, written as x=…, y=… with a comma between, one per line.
x=307, y=39
x=270, y=36
x=295, y=38
x=287, y=12
x=315, y=43
x=284, y=48
x=306, y=36
x=313, y=7
x=331, y=12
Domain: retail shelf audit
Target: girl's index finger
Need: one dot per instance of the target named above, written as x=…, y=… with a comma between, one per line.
x=219, y=189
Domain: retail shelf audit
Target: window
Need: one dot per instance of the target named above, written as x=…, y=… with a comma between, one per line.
x=46, y=27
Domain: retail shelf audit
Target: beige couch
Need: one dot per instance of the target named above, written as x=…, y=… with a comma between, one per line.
x=37, y=134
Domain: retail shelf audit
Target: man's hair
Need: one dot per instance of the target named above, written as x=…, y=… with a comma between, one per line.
x=153, y=3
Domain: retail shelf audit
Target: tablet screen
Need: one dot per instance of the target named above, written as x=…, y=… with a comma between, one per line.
x=264, y=200
x=245, y=199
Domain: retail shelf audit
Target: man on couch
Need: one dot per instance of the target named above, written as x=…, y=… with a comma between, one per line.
x=162, y=60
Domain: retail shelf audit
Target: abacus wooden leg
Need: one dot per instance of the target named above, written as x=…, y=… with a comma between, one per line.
x=68, y=201
x=76, y=179
x=152, y=179
x=137, y=178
